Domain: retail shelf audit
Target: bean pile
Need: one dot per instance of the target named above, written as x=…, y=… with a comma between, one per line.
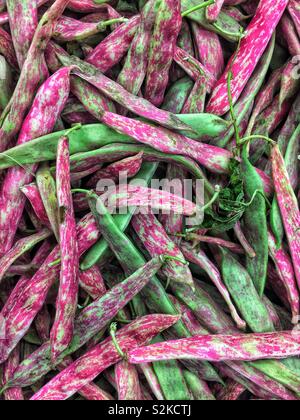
x=142, y=304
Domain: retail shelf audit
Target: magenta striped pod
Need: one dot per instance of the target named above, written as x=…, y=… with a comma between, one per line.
x=20, y=248
x=285, y=271
x=157, y=242
x=261, y=381
x=23, y=20
x=129, y=167
x=162, y=46
x=38, y=259
x=213, y=11
x=9, y=367
x=66, y=304
x=47, y=190
x=275, y=284
x=33, y=195
x=232, y=391
x=134, y=70
x=163, y=140
x=218, y=348
x=33, y=72
x=87, y=6
x=288, y=205
x=91, y=364
x=91, y=281
x=252, y=47
x=265, y=97
x=128, y=383
x=91, y=391
x=198, y=239
x=21, y=316
x=188, y=318
x=147, y=198
x=195, y=103
x=7, y=48
x=209, y=49
x=47, y=106
x=289, y=83
x=4, y=18
x=193, y=67
x=198, y=257
x=234, y=2
x=117, y=93
x=290, y=35
x=294, y=10
x=113, y=48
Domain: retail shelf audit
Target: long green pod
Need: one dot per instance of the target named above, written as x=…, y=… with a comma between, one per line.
x=171, y=379
x=255, y=224
x=243, y=292
x=47, y=188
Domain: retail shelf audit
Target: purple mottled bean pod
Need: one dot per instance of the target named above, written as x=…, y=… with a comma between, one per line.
x=23, y=20
x=252, y=47
x=91, y=364
x=288, y=205
x=33, y=195
x=47, y=106
x=12, y=394
x=248, y=347
x=128, y=383
x=66, y=304
x=166, y=30
x=157, y=242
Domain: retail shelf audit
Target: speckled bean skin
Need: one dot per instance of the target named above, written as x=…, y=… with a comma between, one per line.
x=209, y=50
x=32, y=74
x=92, y=363
x=21, y=247
x=157, y=242
x=135, y=196
x=248, y=347
x=12, y=394
x=88, y=323
x=7, y=48
x=38, y=259
x=288, y=205
x=23, y=20
x=33, y=295
x=213, y=11
x=166, y=30
x=66, y=304
x=33, y=195
x=163, y=140
x=197, y=256
x=46, y=108
x=91, y=281
x=117, y=93
x=252, y=47
x=285, y=270
x=87, y=6
x=128, y=383
x=113, y=48
x=129, y=166
x=135, y=67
